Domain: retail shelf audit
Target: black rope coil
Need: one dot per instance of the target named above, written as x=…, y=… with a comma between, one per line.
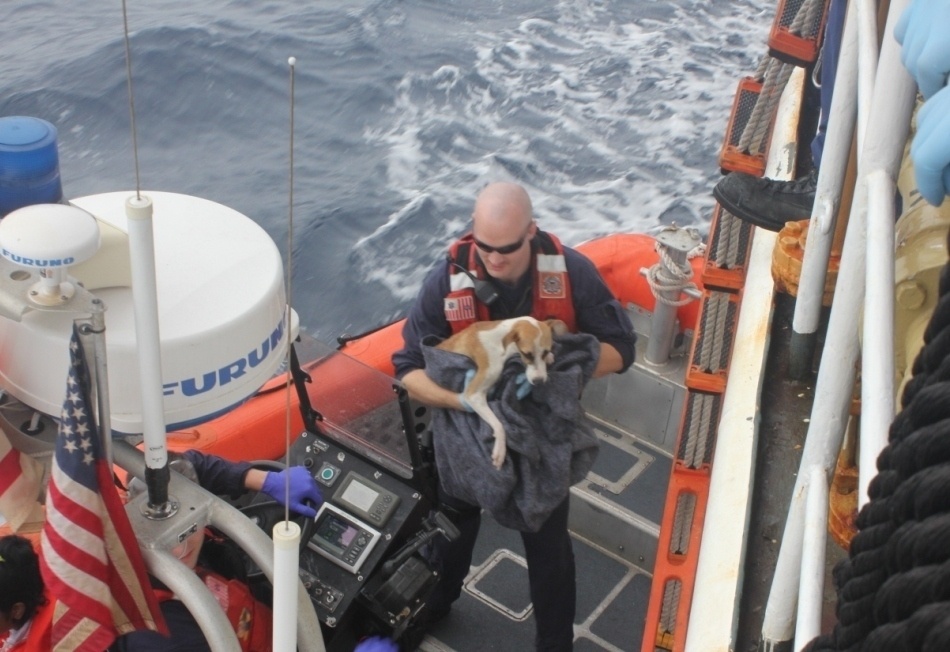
x=893, y=589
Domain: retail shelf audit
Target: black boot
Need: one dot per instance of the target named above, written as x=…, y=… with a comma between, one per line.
x=767, y=203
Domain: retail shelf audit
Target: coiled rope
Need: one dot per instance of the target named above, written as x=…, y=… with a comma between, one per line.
x=667, y=278
x=894, y=587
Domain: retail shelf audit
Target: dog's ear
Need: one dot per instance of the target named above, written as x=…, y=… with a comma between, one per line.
x=557, y=326
x=512, y=336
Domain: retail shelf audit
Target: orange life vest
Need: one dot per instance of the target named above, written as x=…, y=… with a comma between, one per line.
x=38, y=639
x=551, y=286
x=250, y=619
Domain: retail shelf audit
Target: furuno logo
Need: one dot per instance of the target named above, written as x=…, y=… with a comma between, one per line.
x=37, y=262
x=231, y=371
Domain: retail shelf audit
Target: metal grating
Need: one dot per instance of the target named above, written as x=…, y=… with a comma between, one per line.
x=745, y=104
x=790, y=9
x=806, y=28
x=698, y=438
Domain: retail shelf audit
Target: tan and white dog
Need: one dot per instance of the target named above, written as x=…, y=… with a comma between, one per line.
x=489, y=344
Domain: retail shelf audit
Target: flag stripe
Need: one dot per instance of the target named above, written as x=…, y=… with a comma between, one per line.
x=75, y=521
x=73, y=586
x=78, y=631
x=9, y=467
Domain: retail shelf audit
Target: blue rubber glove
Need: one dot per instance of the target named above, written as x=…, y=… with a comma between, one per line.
x=923, y=33
x=468, y=378
x=376, y=644
x=524, y=387
x=302, y=487
x=930, y=150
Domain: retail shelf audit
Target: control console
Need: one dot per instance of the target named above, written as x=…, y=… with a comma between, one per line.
x=368, y=514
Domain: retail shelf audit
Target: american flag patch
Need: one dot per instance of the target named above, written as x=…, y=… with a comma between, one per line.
x=459, y=308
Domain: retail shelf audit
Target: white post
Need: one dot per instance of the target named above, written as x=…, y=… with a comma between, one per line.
x=877, y=385
x=811, y=585
x=138, y=210
x=286, y=535
x=831, y=174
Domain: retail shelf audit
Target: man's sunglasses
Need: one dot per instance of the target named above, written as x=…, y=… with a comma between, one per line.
x=504, y=250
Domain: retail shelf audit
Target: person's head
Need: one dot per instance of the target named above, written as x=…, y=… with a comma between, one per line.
x=21, y=585
x=503, y=227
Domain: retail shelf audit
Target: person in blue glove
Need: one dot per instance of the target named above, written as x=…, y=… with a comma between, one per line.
x=530, y=273
x=226, y=478
x=924, y=34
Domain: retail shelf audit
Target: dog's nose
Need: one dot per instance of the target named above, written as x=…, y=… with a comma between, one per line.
x=536, y=376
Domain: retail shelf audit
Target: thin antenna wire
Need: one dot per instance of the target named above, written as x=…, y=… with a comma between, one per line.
x=292, y=61
x=128, y=76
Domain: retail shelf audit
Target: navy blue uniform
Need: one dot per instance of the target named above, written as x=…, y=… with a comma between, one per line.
x=549, y=552
x=218, y=475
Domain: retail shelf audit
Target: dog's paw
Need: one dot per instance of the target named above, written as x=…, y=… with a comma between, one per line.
x=498, y=454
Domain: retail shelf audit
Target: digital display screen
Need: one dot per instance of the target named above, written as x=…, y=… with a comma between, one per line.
x=335, y=534
x=359, y=495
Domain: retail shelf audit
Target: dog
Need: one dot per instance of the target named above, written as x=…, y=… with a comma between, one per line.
x=488, y=344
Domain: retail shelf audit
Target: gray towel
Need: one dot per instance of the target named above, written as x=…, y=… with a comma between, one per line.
x=550, y=444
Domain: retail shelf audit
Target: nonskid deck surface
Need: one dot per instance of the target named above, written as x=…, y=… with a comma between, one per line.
x=495, y=613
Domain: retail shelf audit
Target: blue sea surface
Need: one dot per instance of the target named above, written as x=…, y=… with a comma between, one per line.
x=610, y=112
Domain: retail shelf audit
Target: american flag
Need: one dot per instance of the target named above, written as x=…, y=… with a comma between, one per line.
x=20, y=479
x=91, y=560
x=460, y=308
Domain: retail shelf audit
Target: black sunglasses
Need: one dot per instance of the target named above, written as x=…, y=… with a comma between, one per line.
x=504, y=250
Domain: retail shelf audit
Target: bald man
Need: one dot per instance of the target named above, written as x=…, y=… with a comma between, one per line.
x=531, y=273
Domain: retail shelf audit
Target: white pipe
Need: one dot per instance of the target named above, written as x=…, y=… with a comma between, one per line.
x=829, y=418
x=895, y=93
x=811, y=585
x=286, y=535
x=888, y=125
x=867, y=64
x=831, y=174
x=138, y=210
x=877, y=385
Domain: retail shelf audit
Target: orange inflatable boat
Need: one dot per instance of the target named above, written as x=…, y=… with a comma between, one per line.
x=258, y=429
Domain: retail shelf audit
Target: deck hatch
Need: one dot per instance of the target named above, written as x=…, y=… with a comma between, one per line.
x=483, y=586
x=622, y=464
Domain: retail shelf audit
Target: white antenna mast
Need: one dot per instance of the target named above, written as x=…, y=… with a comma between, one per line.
x=138, y=210
x=286, y=534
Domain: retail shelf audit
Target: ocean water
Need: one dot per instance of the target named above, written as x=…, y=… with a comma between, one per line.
x=610, y=112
